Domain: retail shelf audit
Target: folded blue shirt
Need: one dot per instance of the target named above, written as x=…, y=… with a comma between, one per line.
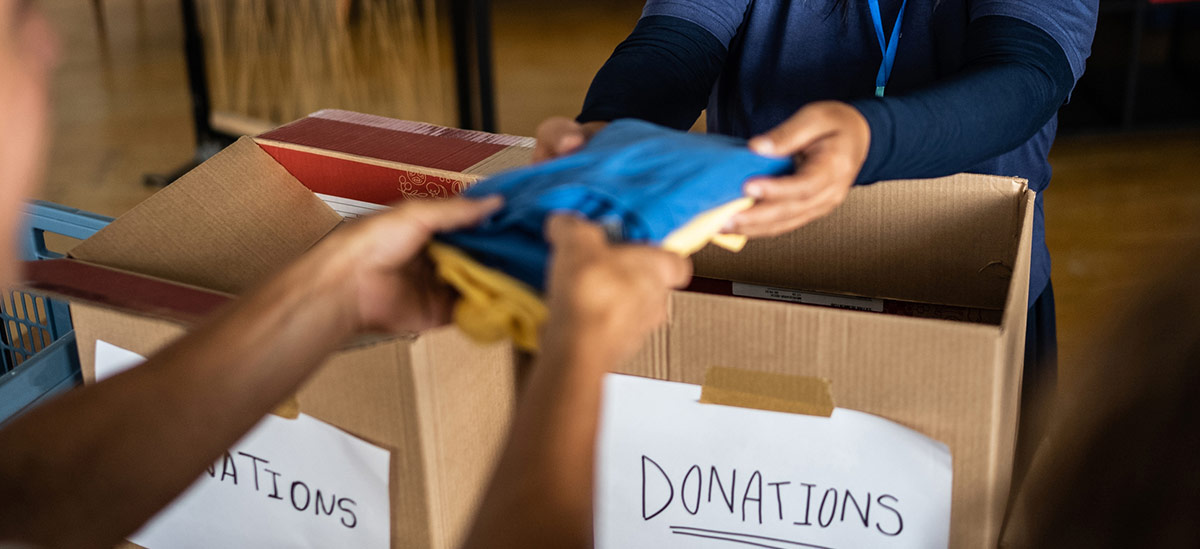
x=640, y=181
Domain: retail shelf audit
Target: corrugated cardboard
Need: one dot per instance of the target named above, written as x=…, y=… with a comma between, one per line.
x=439, y=402
x=224, y=226
x=963, y=241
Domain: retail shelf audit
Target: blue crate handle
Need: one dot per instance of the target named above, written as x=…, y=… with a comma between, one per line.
x=42, y=217
x=55, y=368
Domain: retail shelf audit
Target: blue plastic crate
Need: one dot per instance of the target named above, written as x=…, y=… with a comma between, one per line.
x=38, y=357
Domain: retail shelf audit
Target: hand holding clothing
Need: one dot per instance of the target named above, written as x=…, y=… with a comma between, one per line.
x=829, y=141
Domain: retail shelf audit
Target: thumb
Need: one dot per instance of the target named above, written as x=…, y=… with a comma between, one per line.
x=557, y=136
x=452, y=213
x=568, y=232
x=795, y=134
x=396, y=235
x=669, y=268
x=419, y=219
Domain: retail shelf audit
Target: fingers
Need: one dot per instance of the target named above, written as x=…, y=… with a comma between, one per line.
x=433, y=216
x=819, y=169
x=667, y=269
x=767, y=219
x=584, y=240
x=391, y=238
x=570, y=233
x=797, y=133
x=556, y=137
x=831, y=162
x=801, y=186
x=781, y=216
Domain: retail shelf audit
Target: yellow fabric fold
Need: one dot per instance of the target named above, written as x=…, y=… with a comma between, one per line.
x=493, y=305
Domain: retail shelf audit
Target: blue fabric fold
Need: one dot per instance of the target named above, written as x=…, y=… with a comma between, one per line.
x=638, y=180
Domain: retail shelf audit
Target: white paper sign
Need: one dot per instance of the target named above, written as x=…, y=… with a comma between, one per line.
x=287, y=483
x=672, y=472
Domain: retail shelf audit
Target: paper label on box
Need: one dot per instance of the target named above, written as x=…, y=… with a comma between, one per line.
x=811, y=298
x=287, y=483
x=673, y=473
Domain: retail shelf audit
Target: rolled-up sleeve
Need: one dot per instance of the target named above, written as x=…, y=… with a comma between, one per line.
x=1072, y=23
x=722, y=18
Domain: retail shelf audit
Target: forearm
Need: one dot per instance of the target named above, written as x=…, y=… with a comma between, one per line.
x=104, y=458
x=1015, y=80
x=541, y=492
x=662, y=73
x=603, y=301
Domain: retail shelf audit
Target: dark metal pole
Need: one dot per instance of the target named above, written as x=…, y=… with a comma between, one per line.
x=483, y=64
x=471, y=26
x=197, y=73
x=209, y=141
x=460, y=22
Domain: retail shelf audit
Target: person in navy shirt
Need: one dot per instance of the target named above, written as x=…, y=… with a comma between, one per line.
x=858, y=91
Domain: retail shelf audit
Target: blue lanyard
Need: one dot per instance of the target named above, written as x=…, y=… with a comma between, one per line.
x=888, y=47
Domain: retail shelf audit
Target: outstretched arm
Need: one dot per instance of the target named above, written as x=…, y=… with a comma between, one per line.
x=143, y=436
x=604, y=300
x=1015, y=79
x=662, y=73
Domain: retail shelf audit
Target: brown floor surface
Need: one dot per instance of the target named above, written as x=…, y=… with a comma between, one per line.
x=1120, y=210
x=1120, y=207
x=121, y=104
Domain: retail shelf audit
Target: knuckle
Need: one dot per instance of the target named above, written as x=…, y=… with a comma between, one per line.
x=550, y=123
x=769, y=190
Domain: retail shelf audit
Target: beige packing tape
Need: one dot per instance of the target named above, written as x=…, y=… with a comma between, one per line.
x=288, y=409
x=766, y=391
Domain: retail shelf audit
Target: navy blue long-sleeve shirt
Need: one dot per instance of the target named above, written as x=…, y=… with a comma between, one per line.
x=975, y=87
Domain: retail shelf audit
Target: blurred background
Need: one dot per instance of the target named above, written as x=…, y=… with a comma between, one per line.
x=148, y=87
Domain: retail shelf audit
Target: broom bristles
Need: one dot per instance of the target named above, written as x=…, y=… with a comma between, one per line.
x=278, y=61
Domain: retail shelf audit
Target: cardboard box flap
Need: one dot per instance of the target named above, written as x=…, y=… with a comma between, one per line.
x=111, y=289
x=946, y=241
x=224, y=226
x=1018, y=293
x=80, y=281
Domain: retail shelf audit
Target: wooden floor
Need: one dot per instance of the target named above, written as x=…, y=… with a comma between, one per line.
x=1120, y=207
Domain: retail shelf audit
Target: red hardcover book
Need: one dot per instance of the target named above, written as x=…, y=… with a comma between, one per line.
x=359, y=162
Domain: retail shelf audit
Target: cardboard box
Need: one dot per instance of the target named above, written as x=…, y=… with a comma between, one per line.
x=962, y=241
x=953, y=248
x=439, y=402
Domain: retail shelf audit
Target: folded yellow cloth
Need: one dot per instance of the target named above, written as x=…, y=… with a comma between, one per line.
x=493, y=305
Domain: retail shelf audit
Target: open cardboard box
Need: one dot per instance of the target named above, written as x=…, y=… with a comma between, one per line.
x=437, y=401
x=962, y=241
x=441, y=403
